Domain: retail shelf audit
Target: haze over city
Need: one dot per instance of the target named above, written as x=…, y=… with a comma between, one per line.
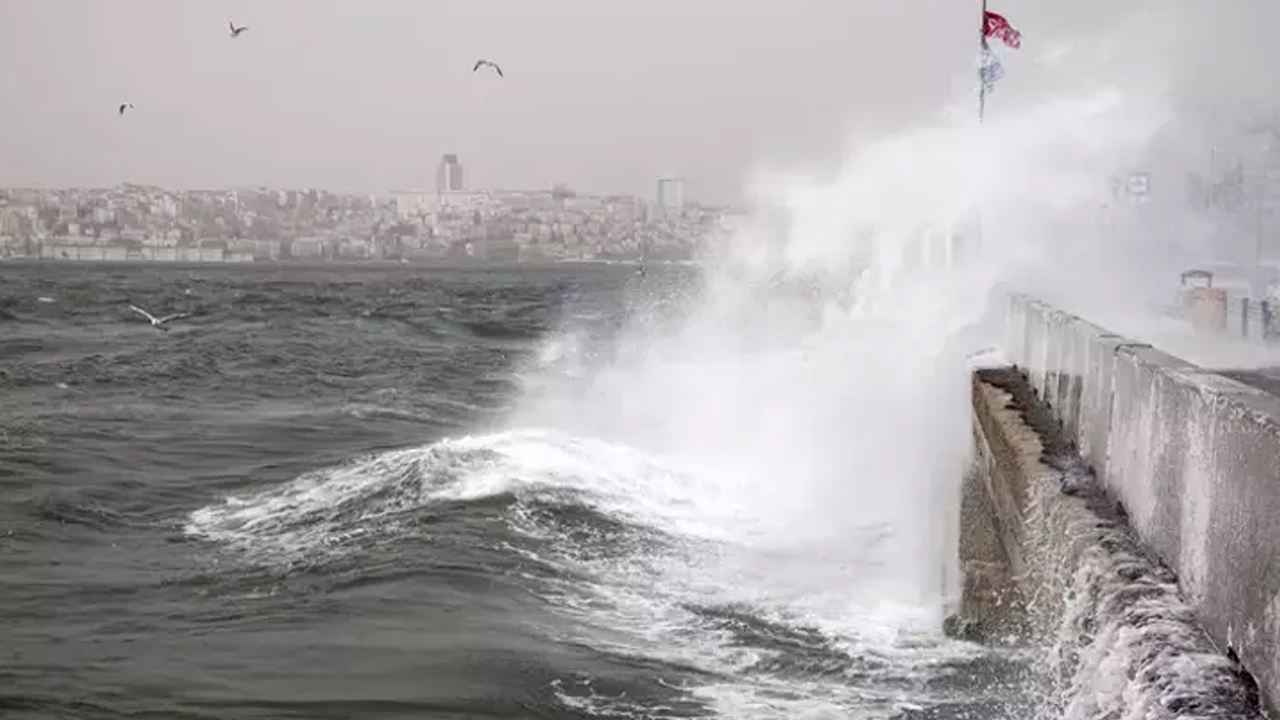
x=365, y=97
x=682, y=359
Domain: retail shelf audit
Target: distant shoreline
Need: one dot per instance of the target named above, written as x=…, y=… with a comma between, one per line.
x=381, y=264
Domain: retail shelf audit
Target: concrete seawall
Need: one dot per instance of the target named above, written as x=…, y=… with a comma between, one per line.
x=1184, y=461
x=1049, y=557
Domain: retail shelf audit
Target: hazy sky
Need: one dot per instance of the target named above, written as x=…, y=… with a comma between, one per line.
x=366, y=95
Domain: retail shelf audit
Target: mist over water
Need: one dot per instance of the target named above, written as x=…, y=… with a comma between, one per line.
x=743, y=494
x=813, y=390
x=755, y=477
x=820, y=369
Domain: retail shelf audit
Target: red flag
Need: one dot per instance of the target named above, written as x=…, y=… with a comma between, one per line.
x=994, y=25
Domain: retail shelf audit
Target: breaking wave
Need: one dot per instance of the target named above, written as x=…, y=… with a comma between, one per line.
x=754, y=479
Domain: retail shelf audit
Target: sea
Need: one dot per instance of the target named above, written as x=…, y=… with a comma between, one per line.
x=406, y=492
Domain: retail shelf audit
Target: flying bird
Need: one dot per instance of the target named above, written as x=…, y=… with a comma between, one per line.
x=482, y=63
x=235, y=31
x=125, y=106
x=157, y=322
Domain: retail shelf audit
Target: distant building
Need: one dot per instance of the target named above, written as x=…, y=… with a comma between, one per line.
x=257, y=249
x=501, y=249
x=449, y=175
x=14, y=223
x=462, y=200
x=307, y=248
x=670, y=195
x=412, y=203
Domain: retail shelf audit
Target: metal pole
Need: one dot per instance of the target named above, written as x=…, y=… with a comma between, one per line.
x=982, y=44
x=982, y=107
x=1257, y=248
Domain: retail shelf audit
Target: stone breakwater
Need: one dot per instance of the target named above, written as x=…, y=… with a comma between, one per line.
x=1193, y=456
x=1122, y=640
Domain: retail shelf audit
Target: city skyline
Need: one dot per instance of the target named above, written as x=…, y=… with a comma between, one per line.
x=147, y=223
x=384, y=195
x=357, y=97
x=362, y=98
x=454, y=182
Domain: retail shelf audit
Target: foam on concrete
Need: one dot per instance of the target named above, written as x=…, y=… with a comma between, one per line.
x=1192, y=456
x=1124, y=642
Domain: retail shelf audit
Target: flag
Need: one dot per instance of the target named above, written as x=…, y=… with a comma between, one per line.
x=991, y=70
x=996, y=26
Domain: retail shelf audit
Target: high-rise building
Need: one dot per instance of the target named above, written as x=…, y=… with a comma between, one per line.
x=670, y=195
x=449, y=175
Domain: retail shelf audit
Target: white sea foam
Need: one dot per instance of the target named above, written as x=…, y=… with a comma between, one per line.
x=823, y=369
x=1125, y=643
x=803, y=426
x=822, y=372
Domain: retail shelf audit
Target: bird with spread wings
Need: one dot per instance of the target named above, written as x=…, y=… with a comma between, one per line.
x=155, y=321
x=487, y=63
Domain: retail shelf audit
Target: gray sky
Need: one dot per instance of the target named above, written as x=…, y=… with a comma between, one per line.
x=365, y=96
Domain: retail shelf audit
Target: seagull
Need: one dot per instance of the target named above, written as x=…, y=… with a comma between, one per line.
x=157, y=322
x=124, y=106
x=235, y=31
x=481, y=63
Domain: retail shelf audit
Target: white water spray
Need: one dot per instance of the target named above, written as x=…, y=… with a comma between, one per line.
x=821, y=376
x=808, y=415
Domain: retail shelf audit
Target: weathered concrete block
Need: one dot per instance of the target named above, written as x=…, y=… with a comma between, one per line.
x=1193, y=457
x=1093, y=426
x=1126, y=643
x=1234, y=565
x=1147, y=436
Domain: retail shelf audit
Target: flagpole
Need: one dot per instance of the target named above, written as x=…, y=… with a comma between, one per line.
x=982, y=109
x=982, y=44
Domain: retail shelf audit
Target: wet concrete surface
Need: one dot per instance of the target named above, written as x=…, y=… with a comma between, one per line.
x=1266, y=379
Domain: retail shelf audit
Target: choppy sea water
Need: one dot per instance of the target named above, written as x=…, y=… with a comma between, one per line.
x=309, y=499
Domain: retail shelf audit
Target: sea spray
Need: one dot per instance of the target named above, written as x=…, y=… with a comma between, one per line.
x=1126, y=643
x=1122, y=642
x=820, y=369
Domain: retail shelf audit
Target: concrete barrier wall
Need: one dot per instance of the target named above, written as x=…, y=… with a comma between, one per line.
x=1049, y=558
x=1194, y=458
